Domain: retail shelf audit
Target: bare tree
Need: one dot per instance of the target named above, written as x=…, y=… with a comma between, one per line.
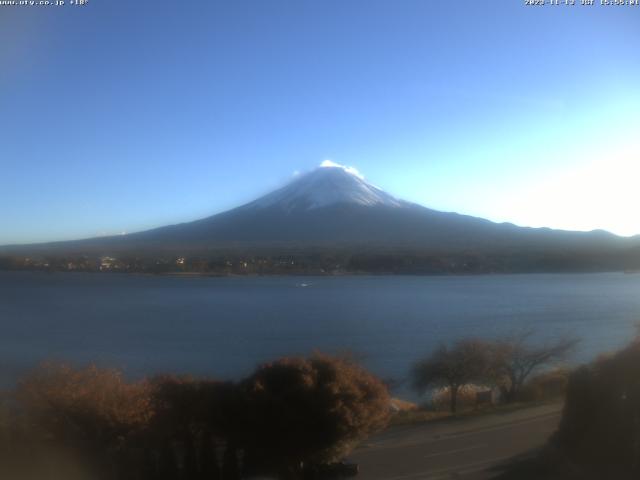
x=454, y=366
x=515, y=358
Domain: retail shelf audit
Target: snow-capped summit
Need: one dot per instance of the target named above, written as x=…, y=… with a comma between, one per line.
x=329, y=184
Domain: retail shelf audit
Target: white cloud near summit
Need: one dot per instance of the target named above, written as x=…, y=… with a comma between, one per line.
x=351, y=170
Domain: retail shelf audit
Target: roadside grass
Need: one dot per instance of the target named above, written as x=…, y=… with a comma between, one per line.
x=546, y=388
x=424, y=415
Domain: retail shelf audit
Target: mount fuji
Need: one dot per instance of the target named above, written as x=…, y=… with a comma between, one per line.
x=334, y=207
x=330, y=184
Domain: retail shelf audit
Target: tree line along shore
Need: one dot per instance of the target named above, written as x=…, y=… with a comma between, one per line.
x=325, y=261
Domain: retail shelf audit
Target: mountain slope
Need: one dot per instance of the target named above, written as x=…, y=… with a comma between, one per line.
x=333, y=206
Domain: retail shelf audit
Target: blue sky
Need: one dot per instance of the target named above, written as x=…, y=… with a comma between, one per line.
x=120, y=116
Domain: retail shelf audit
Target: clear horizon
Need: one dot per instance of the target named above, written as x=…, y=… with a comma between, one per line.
x=120, y=117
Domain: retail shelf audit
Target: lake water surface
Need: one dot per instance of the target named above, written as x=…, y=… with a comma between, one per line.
x=223, y=327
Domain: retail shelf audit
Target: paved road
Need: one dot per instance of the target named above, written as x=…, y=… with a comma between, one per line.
x=466, y=448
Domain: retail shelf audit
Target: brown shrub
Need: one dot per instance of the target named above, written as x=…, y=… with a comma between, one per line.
x=290, y=411
x=164, y=428
x=310, y=410
x=94, y=411
x=87, y=406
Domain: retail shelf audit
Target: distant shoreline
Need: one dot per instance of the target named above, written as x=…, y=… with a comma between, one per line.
x=320, y=275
